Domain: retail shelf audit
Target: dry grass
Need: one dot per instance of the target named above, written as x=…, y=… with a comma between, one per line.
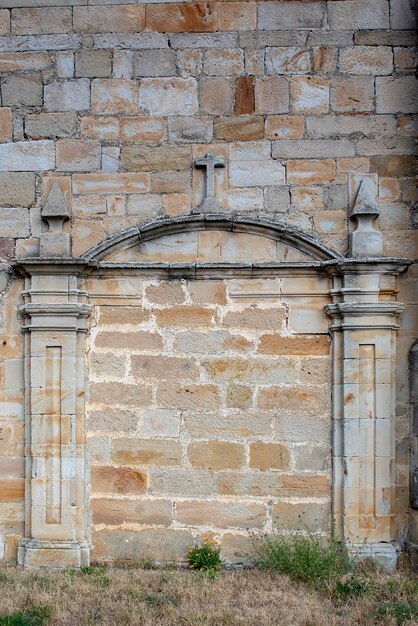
x=158, y=597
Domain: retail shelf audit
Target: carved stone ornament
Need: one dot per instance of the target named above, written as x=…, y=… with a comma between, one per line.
x=209, y=204
x=55, y=242
x=365, y=240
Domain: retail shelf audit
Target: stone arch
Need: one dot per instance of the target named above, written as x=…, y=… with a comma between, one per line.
x=279, y=232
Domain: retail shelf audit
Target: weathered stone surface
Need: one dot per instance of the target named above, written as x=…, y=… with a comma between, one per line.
x=271, y=95
x=396, y=94
x=162, y=544
x=282, y=485
x=163, y=368
x=116, y=512
x=78, y=156
x=21, y=89
x=310, y=172
x=14, y=222
x=27, y=156
x=239, y=128
x=17, y=189
x=356, y=14
x=309, y=94
x=216, y=455
x=6, y=124
x=266, y=456
x=159, y=452
x=366, y=60
x=141, y=340
x=114, y=96
x=93, y=63
x=215, y=96
x=278, y=16
x=120, y=480
x=119, y=393
x=111, y=184
x=277, y=344
x=140, y=158
x=184, y=129
x=181, y=17
x=254, y=317
x=168, y=96
x=221, y=514
x=72, y=95
x=109, y=420
x=294, y=516
x=50, y=125
x=236, y=426
x=352, y=94
x=113, y=19
x=188, y=396
x=154, y=63
x=38, y=21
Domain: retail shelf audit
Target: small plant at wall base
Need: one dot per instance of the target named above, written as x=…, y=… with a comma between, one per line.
x=205, y=558
x=306, y=557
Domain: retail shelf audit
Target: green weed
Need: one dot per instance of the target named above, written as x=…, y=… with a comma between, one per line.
x=400, y=611
x=36, y=616
x=302, y=557
x=206, y=558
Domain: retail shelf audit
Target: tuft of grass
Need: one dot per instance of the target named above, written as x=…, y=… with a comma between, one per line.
x=304, y=558
x=352, y=587
x=35, y=616
x=92, y=571
x=144, y=563
x=400, y=611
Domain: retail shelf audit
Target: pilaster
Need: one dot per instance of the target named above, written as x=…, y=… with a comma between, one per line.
x=364, y=322
x=54, y=313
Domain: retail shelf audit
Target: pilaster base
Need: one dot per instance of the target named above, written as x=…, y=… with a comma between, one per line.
x=385, y=555
x=34, y=554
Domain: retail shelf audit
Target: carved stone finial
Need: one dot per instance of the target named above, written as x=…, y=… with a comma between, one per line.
x=55, y=212
x=365, y=240
x=209, y=203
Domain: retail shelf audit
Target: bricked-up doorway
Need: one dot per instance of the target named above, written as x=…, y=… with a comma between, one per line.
x=214, y=399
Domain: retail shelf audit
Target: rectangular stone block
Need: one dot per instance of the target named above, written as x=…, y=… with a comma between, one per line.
x=6, y=124
x=14, y=62
x=221, y=514
x=366, y=60
x=256, y=173
x=366, y=125
x=152, y=452
x=178, y=482
x=25, y=43
x=162, y=544
x=385, y=37
x=403, y=14
x=237, y=15
x=74, y=155
x=277, y=344
x=204, y=40
x=71, y=95
x=310, y=172
x=259, y=371
x=297, y=516
x=38, y=21
x=184, y=129
x=111, y=183
x=312, y=149
x=137, y=41
x=27, y=156
x=215, y=96
x=4, y=22
x=160, y=423
x=172, y=396
x=181, y=17
x=396, y=94
x=116, y=512
x=119, y=393
x=114, y=95
x=122, y=314
x=309, y=94
x=50, y=125
x=244, y=96
x=216, y=455
x=22, y=89
x=151, y=63
x=223, y=62
x=211, y=342
x=168, y=96
x=137, y=340
x=266, y=456
x=256, y=318
x=17, y=189
x=290, y=15
x=356, y=14
x=14, y=222
x=285, y=60
x=242, y=128
x=255, y=483
x=139, y=158
x=285, y=399
x=237, y=425
x=352, y=94
x=93, y=63
x=111, y=19
x=100, y=127
x=112, y=420
x=271, y=95
x=163, y=368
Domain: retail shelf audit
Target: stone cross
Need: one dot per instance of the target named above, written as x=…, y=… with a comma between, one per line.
x=209, y=162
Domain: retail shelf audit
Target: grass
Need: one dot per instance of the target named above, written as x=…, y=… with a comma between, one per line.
x=135, y=595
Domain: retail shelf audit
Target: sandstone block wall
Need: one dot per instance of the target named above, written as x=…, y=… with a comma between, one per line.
x=208, y=416
x=115, y=101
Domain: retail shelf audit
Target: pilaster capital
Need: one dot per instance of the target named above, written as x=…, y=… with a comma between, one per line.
x=364, y=315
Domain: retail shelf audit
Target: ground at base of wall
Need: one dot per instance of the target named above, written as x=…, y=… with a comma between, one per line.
x=169, y=597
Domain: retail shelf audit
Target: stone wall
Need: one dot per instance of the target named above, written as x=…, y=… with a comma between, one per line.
x=115, y=101
x=208, y=416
